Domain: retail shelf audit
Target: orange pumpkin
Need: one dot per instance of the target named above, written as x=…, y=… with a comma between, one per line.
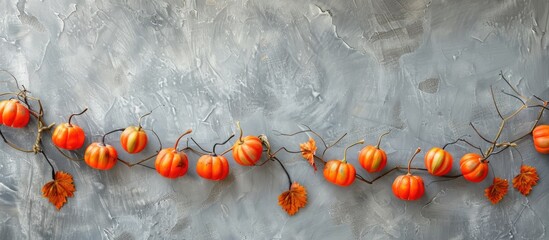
x=68, y=136
x=100, y=156
x=339, y=172
x=14, y=114
x=212, y=167
x=171, y=164
x=408, y=187
x=247, y=151
x=541, y=138
x=473, y=167
x=438, y=161
x=133, y=139
x=372, y=158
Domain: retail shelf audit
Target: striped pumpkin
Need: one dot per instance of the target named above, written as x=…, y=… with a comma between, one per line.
x=247, y=151
x=339, y=172
x=473, y=167
x=408, y=187
x=133, y=139
x=170, y=163
x=372, y=159
x=438, y=161
x=100, y=156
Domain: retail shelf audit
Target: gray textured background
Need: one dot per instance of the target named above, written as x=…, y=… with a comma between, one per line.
x=422, y=68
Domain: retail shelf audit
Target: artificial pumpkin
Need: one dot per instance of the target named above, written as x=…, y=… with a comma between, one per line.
x=339, y=172
x=372, y=159
x=14, y=114
x=438, y=161
x=171, y=163
x=408, y=187
x=68, y=136
x=247, y=151
x=212, y=167
x=473, y=167
x=541, y=138
x=133, y=139
x=100, y=156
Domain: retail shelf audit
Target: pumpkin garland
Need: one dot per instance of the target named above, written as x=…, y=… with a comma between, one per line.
x=247, y=151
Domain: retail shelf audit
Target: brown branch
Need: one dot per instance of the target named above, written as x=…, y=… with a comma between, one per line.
x=67, y=156
x=478, y=133
x=494, y=100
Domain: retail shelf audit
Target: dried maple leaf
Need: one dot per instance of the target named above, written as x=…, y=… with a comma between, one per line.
x=59, y=189
x=294, y=199
x=497, y=190
x=308, y=150
x=526, y=179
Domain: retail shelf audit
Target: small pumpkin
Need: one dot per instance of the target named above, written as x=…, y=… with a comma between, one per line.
x=541, y=138
x=69, y=136
x=473, y=167
x=438, y=161
x=14, y=114
x=212, y=167
x=170, y=162
x=133, y=139
x=409, y=187
x=100, y=156
x=372, y=159
x=340, y=172
x=247, y=151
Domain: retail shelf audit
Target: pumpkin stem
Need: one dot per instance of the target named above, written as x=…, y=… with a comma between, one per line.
x=347, y=148
x=380, y=137
x=113, y=131
x=223, y=143
x=76, y=114
x=177, y=142
x=412, y=158
x=241, y=132
x=146, y=114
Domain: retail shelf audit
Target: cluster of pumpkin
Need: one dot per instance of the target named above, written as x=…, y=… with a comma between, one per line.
x=438, y=162
x=170, y=162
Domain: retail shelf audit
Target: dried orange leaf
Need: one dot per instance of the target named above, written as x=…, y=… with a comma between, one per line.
x=294, y=199
x=526, y=179
x=497, y=190
x=308, y=150
x=59, y=189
